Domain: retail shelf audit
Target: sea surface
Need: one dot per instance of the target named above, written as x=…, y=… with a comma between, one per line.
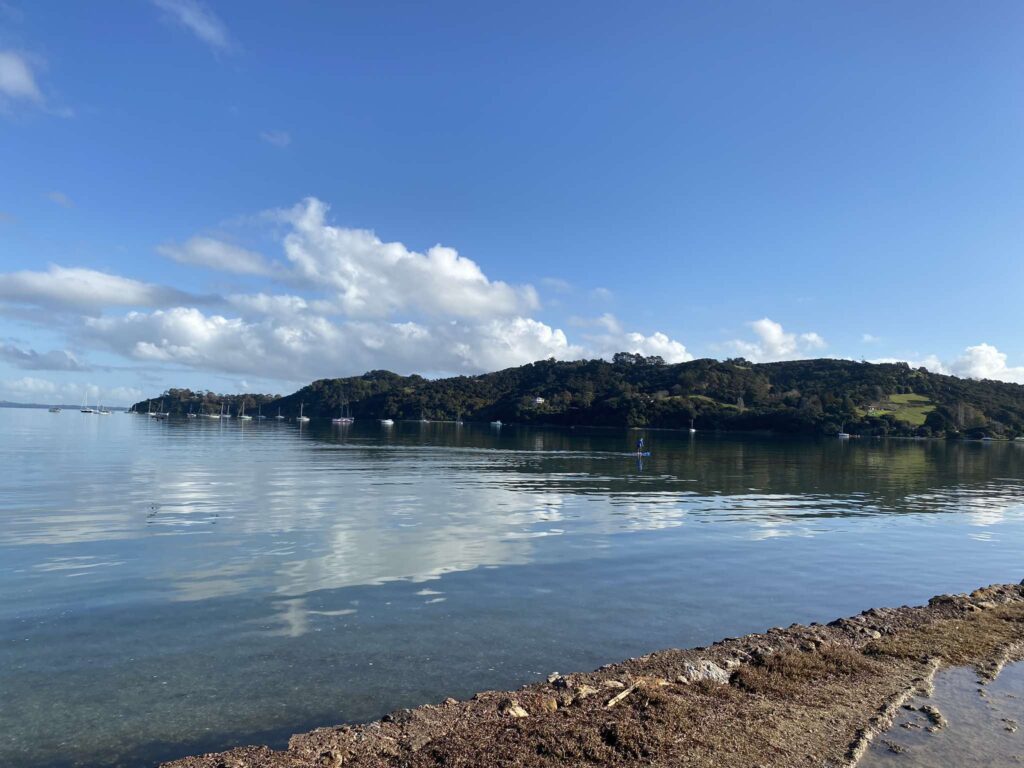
x=189, y=585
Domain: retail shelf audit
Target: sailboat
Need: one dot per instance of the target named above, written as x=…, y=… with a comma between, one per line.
x=103, y=411
x=842, y=434
x=692, y=428
x=259, y=413
x=160, y=412
x=190, y=414
x=85, y=407
x=302, y=418
x=343, y=415
x=387, y=422
x=241, y=413
x=279, y=417
x=211, y=415
x=55, y=409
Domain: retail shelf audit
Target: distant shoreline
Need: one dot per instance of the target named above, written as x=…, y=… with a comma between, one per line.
x=806, y=695
x=603, y=427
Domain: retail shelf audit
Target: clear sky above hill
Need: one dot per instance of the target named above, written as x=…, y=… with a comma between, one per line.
x=249, y=195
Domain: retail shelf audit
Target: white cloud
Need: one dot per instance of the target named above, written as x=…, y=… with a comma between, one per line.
x=199, y=20
x=61, y=199
x=868, y=338
x=984, y=361
x=613, y=338
x=83, y=289
x=297, y=344
x=17, y=82
x=30, y=360
x=216, y=254
x=981, y=361
x=601, y=294
x=774, y=343
x=277, y=138
x=378, y=279
x=28, y=387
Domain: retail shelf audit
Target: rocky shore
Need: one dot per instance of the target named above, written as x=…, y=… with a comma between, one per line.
x=803, y=696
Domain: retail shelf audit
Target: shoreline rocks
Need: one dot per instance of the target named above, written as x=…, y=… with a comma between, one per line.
x=803, y=696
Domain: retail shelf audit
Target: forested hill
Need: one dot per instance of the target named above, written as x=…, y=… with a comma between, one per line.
x=806, y=396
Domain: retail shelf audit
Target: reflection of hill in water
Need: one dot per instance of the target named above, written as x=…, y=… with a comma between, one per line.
x=857, y=477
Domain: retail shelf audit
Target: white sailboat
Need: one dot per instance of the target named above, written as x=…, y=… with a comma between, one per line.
x=692, y=428
x=302, y=419
x=259, y=413
x=279, y=417
x=387, y=422
x=842, y=434
x=241, y=413
x=343, y=415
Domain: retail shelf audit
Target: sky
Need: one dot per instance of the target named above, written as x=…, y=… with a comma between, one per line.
x=251, y=195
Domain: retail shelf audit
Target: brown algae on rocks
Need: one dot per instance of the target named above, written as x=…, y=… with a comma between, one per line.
x=802, y=696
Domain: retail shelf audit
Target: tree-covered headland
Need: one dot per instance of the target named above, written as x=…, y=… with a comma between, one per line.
x=805, y=397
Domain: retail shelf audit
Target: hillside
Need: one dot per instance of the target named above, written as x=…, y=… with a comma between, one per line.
x=805, y=396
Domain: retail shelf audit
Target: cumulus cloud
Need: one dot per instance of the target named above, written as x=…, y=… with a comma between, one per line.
x=354, y=303
x=29, y=386
x=83, y=290
x=17, y=81
x=216, y=254
x=297, y=344
x=375, y=279
x=984, y=361
x=775, y=343
x=612, y=338
x=32, y=389
x=31, y=360
x=277, y=138
x=869, y=338
x=981, y=361
x=199, y=20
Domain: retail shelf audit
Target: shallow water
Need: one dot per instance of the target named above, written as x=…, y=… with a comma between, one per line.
x=983, y=731
x=182, y=586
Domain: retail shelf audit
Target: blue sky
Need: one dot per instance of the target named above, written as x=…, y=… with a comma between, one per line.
x=248, y=195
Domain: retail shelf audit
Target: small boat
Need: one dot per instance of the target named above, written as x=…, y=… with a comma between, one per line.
x=160, y=413
x=259, y=413
x=387, y=422
x=190, y=415
x=103, y=411
x=302, y=419
x=496, y=423
x=55, y=409
x=692, y=428
x=843, y=435
x=241, y=413
x=343, y=416
x=279, y=417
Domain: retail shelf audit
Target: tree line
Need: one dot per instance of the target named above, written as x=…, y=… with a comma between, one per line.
x=822, y=396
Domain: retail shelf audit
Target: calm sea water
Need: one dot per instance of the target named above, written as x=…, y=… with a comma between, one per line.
x=183, y=586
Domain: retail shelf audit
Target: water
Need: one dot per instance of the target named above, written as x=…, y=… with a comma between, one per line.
x=184, y=586
x=983, y=730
